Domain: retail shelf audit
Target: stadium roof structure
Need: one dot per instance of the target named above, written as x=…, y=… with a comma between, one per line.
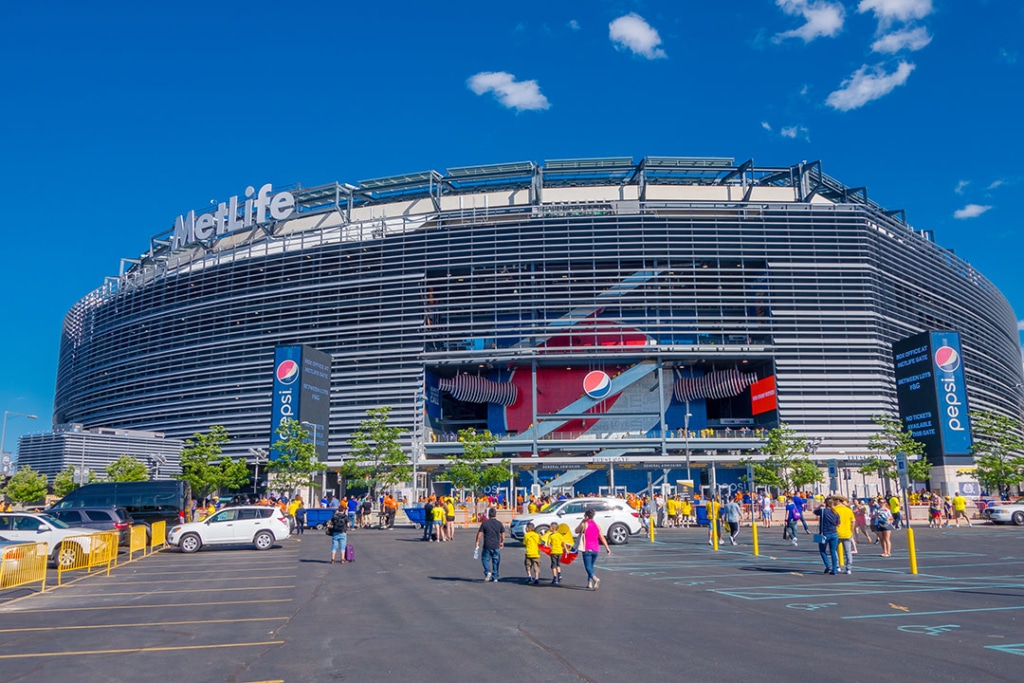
x=807, y=179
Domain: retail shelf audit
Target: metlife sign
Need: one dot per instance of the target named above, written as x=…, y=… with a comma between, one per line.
x=302, y=392
x=255, y=208
x=932, y=395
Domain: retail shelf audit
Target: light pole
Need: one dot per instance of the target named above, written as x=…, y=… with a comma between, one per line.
x=258, y=455
x=686, y=440
x=3, y=430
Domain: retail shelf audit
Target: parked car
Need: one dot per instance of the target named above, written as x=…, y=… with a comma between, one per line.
x=24, y=527
x=614, y=517
x=259, y=525
x=1007, y=512
x=103, y=518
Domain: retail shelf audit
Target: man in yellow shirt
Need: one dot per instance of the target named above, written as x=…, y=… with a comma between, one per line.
x=531, y=542
x=960, y=509
x=894, y=508
x=671, y=510
x=844, y=531
x=554, y=540
x=686, y=510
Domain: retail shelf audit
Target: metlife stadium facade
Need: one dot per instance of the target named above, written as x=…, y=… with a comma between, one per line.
x=585, y=311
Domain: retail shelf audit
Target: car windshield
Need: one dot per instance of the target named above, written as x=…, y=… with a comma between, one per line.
x=54, y=522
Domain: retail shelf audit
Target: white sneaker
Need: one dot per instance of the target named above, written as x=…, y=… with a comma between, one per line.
x=732, y=540
x=849, y=570
x=487, y=577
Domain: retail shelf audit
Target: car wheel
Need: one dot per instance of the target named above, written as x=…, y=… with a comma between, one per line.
x=190, y=543
x=320, y=526
x=541, y=530
x=618, y=534
x=66, y=557
x=1018, y=518
x=264, y=540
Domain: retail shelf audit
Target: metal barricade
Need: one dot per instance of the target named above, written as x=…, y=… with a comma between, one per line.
x=23, y=564
x=137, y=541
x=158, y=535
x=86, y=552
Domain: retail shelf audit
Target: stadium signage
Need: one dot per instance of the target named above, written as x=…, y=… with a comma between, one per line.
x=229, y=217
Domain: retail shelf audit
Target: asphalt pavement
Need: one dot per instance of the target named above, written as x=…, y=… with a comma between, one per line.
x=412, y=611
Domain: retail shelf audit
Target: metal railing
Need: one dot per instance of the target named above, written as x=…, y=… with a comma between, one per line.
x=87, y=551
x=23, y=564
x=157, y=535
x=137, y=541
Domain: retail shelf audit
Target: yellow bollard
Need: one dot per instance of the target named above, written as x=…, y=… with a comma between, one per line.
x=839, y=550
x=753, y=530
x=650, y=527
x=912, y=550
x=713, y=521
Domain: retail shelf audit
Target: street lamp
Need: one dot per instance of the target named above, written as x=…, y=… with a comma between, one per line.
x=3, y=431
x=686, y=439
x=258, y=455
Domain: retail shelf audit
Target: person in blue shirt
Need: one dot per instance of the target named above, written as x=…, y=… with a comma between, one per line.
x=793, y=516
x=801, y=504
x=828, y=522
x=352, y=509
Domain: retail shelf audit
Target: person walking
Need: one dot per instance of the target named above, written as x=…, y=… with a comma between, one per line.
x=338, y=526
x=894, y=508
x=793, y=517
x=860, y=523
x=960, y=510
x=556, y=543
x=731, y=515
x=828, y=537
x=531, y=544
x=439, y=526
x=801, y=507
x=593, y=539
x=766, y=510
x=844, y=531
x=490, y=539
x=883, y=523
x=428, y=520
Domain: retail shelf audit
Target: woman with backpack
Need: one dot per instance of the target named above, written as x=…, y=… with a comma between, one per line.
x=337, y=527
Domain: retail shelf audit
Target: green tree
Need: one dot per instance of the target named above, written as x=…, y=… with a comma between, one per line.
x=377, y=455
x=919, y=470
x=127, y=468
x=469, y=469
x=26, y=486
x=998, y=447
x=64, y=483
x=293, y=459
x=804, y=472
x=784, y=449
x=206, y=468
x=887, y=442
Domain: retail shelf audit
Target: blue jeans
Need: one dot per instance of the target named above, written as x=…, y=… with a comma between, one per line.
x=428, y=529
x=338, y=543
x=589, y=558
x=831, y=541
x=490, y=559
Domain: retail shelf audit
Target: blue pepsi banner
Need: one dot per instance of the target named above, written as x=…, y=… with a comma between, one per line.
x=302, y=389
x=932, y=395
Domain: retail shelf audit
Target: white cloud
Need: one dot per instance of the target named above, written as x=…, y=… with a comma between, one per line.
x=961, y=186
x=518, y=95
x=1020, y=325
x=866, y=84
x=912, y=39
x=767, y=126
x=633, y=33
x=971, y=211
x=823, y=19
x=805, y=89
x=793, y=132
x=995, y=184
x=888, y=11
x=574, y=25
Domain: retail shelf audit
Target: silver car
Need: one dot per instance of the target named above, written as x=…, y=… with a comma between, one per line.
x=1008, y=512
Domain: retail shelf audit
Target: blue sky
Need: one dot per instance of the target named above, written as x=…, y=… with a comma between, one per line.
x=116, y=118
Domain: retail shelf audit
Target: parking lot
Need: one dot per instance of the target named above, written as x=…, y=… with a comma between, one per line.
x=407, y=610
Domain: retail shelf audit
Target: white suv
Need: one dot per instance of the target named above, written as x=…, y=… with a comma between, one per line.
x=26, y=527
x=259, y=525
x=614, y=517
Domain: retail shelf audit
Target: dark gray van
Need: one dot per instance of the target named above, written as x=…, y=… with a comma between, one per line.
x=145, y=501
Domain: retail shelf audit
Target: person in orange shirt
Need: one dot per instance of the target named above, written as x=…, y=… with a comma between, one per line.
x=390, y=508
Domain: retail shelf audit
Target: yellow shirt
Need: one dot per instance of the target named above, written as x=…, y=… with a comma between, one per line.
x=844, y=529
x=437, y=514
x=449, y=509
x=894, y=505
x=671, y=506
x=686, y=508
x=531, y=541
x=555, y=541
x=292, y=507
x=959, y=503
x=532, y=508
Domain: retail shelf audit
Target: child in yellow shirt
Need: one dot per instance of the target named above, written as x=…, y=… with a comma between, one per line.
x=556, y=542
x=531, y=541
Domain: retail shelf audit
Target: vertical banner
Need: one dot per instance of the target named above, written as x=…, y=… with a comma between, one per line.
x=302, y=392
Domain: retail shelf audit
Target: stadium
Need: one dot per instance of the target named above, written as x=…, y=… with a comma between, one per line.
x=590, y=313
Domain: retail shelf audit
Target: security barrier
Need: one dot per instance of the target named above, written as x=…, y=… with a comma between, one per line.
x=137, y=541
x=158, y=535
x=23, y=564
x=87, y=551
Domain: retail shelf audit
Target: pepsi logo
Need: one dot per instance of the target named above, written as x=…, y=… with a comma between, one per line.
x=287, y=371
x=597, y=384
x=947, y=359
